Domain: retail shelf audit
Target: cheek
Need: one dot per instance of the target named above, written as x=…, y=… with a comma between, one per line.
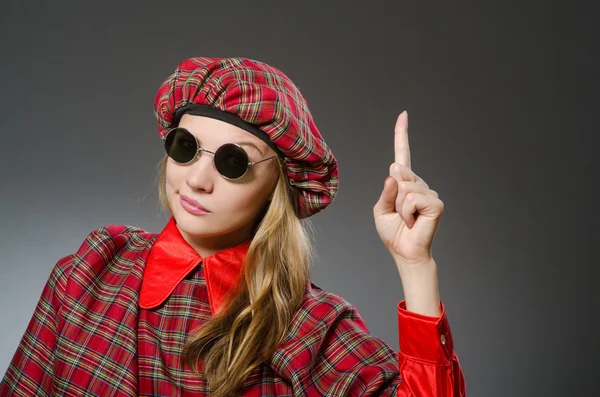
x=173, y=176
x=244, y=201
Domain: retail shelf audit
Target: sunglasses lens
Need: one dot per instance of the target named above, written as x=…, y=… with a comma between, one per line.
x=231, y=161
x=180, y=145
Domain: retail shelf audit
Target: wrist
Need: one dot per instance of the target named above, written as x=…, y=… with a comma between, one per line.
x=416, y=270
x=420, y=286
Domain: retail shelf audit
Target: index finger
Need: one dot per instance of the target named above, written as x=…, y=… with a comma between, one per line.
x=401, y=148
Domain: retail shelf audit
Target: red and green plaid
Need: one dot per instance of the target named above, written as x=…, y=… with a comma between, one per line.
x=265, y=97
x=89, y=337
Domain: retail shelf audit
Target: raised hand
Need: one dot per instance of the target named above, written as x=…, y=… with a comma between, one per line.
x=408, y=211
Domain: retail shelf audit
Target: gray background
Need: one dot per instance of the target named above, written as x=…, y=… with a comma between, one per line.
x=501, y=99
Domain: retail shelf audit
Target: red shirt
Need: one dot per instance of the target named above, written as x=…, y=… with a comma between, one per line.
x=113, y=319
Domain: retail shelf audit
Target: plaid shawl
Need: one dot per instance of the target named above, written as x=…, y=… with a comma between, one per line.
x=88, y=336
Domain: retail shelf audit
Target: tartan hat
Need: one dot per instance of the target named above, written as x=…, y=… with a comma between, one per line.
x=265, y=102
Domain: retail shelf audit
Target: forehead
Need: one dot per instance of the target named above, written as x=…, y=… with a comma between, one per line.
x=207, y=128
x=214, y=132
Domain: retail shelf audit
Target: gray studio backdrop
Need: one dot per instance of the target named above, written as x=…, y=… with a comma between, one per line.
x=500, y=98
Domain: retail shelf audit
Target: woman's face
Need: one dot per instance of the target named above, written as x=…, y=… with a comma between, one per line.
x=233, y=205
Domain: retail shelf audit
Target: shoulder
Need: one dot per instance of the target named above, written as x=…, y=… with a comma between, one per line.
x=104, y=244
x=110, y=239
x=326, y=308
x=100, y=250
x=328, y=341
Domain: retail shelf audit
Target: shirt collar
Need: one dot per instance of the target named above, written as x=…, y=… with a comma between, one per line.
x=171, y=259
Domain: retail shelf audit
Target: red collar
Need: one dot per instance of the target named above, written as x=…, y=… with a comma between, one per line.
x=172, y=258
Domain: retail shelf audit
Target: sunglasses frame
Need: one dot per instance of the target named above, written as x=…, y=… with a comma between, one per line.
x=201, y=149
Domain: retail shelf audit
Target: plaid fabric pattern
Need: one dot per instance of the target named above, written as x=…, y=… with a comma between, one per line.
x=265, y=97
x=89, y=337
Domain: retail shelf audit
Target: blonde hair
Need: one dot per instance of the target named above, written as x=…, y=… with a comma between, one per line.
x=254, y=319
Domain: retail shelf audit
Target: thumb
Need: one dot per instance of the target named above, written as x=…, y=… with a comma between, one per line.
x=387, y=200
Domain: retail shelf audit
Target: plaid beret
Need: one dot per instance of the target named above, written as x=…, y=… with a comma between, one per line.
x=264, y=101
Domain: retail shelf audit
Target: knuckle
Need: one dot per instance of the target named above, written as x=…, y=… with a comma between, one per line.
x=422, y=184
x=396, y=169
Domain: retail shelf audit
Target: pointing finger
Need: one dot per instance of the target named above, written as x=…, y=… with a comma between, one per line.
x=401, y=148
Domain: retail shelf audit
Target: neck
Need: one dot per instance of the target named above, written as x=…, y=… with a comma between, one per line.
x=210, y=245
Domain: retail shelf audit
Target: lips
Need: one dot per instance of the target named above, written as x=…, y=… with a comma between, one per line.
x=193, y=203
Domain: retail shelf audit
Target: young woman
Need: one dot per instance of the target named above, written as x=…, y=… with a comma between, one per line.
x=220, y=301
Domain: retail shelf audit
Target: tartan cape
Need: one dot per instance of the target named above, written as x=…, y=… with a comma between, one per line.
x=82, y=338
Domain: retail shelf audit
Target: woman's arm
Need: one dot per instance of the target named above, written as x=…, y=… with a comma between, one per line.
x=428, y=363
x=426, y=344
x=331, y=353
x=407, y=215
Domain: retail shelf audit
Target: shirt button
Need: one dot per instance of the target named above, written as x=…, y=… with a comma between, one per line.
x=443, y=338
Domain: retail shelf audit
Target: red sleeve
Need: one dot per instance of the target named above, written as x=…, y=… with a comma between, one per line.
x=30, y=371
x=428, y=363
x=333, y=354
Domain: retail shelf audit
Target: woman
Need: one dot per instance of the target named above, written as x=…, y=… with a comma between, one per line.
x=220, y=301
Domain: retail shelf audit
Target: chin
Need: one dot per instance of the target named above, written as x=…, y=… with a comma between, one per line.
x=198, y=226
x=190, y=222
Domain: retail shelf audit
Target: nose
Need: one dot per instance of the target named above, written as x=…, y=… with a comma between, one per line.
x=201, y=173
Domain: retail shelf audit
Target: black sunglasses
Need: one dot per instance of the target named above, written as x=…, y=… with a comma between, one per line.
x=231, y=160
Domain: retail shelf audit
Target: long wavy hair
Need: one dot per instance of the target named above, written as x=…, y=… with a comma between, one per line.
x=254, y=318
